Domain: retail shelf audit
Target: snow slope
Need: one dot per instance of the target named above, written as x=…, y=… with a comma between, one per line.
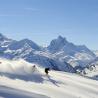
x=18, y=79
x=7, y=92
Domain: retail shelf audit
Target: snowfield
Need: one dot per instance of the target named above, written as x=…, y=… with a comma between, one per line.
x=18, y=79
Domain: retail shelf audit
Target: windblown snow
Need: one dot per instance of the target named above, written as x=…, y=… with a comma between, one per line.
x=18, y=79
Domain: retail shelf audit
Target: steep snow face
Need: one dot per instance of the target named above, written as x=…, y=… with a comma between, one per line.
x=73, y=54
x=22, y=81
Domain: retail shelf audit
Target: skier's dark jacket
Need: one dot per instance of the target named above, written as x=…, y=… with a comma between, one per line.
x=47, y=70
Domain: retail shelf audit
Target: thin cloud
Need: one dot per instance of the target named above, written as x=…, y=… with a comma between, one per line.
x=31, y=9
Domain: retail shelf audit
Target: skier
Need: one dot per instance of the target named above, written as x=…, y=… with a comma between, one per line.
x=33, y=68
x=47, y=70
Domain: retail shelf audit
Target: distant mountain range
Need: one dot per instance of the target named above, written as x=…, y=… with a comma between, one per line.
x=59, y=55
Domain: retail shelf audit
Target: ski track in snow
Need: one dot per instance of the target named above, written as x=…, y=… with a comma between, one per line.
x=17, y=80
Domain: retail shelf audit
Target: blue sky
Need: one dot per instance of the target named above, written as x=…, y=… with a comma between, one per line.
x=44, y=20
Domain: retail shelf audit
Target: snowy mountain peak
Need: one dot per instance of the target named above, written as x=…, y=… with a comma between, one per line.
x=30, y=43
x=57, y=44
x=23, y=44
x=67, y=51
x=26, y=40
x=61, y=39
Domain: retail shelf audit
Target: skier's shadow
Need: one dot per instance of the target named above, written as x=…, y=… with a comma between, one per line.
x=53, y=81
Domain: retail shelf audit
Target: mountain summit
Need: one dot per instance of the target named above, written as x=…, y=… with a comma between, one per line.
x=57, y=44
x=24, y=43
x=76, y=55
x=61, y=44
